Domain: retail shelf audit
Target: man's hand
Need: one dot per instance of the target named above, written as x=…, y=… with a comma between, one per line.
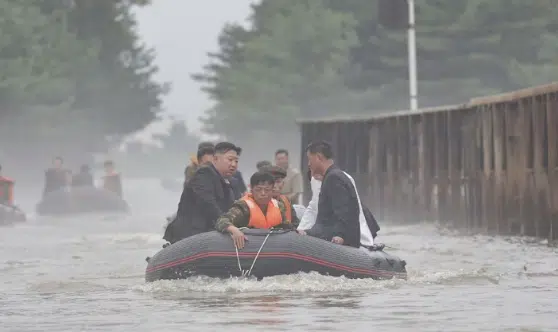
x=238, y=237
x=301, y=232
x=337, y=240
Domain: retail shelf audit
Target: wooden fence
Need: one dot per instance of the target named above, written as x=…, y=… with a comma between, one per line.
x=490, y=165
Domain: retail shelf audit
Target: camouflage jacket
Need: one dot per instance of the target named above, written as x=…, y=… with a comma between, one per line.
x=295, y=221
x=239, y=216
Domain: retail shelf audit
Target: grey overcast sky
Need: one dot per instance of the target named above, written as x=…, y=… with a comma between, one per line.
x=182, y=32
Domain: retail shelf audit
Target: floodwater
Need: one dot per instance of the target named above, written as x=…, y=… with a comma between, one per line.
x=86, y=274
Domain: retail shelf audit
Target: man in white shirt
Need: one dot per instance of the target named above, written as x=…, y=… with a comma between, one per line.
x=308, y=218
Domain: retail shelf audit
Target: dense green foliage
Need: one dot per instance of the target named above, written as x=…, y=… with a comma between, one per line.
x=72, y=72
x=307, y=58
x=167, y=159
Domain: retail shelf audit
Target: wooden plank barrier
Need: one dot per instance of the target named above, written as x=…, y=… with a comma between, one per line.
x=488, y=166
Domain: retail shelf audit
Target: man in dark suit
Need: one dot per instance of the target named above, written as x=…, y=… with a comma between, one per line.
x=338, y=218
x=238, y=184
x=206, y=196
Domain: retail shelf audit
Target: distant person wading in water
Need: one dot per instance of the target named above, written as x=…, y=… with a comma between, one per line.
x=111, y=179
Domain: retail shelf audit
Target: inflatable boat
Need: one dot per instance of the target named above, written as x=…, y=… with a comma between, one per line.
x=269, y=253
x=81, y=200
x=10, y=214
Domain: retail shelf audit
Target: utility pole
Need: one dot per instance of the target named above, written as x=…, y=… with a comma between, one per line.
x=412, y=52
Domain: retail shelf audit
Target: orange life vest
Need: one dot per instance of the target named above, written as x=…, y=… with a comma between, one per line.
x=272, y=217
x=6, y=190
x=288, y=209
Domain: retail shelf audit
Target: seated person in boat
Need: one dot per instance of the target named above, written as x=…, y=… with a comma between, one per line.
x=55, y=177
x=111, y=179
x=84, y=178
x=308, y=218
x=6, y=190
x=204, y=156
x=257, y=209
x=280, y=174
x=338, y=219
x=262, y=165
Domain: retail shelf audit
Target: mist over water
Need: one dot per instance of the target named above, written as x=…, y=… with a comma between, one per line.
x=86, y=274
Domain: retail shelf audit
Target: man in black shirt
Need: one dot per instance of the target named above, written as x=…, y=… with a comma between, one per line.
x=206, y=196
x=338, y=208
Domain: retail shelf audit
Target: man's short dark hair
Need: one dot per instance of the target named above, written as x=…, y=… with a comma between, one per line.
x=58, y=158
x=322, y=147
x=259, y=178
x=282, y=151
x=205, y=144
x=204, y=151
x=109, y=163
x=224, y=147
x=264, y=163
x=276, y=171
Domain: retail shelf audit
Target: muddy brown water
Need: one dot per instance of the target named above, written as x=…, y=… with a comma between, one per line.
x=86, y=274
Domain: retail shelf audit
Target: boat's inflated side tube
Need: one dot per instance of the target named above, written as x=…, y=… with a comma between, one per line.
x=81, y=200
x=10, y=214
x=268, y=254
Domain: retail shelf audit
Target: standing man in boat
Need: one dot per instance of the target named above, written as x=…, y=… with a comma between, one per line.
x=308, y=218
x=111, y=180
x=55, y=177
x=199, y=160
x=293, y=182
x=339, y=207
x=206, y=196
x=279, y=175
x=257, y=209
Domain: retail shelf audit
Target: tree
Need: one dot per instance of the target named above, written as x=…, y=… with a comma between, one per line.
x=179, y=140
x=36, y=68
x=318, y=57
x=465, y=49
x=38, y=60
x=120, y=89
x=296, y=55
x=73, y=73
x=166, y=159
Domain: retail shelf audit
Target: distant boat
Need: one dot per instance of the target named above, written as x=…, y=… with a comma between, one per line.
x=10, y=214
x=81, y=200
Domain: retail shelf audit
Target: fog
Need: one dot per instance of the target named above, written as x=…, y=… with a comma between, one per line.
x=182, y=32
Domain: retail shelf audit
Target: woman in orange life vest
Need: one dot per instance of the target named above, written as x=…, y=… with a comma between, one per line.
x=6, y=190
x=258, y=209
x=111, y=179
x=279, y=174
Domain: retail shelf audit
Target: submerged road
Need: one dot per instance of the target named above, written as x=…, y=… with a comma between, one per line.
x=87, y=275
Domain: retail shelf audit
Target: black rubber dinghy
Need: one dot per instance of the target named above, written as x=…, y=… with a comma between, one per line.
x=10, y=214
x=269, y=254
x=81, y=200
